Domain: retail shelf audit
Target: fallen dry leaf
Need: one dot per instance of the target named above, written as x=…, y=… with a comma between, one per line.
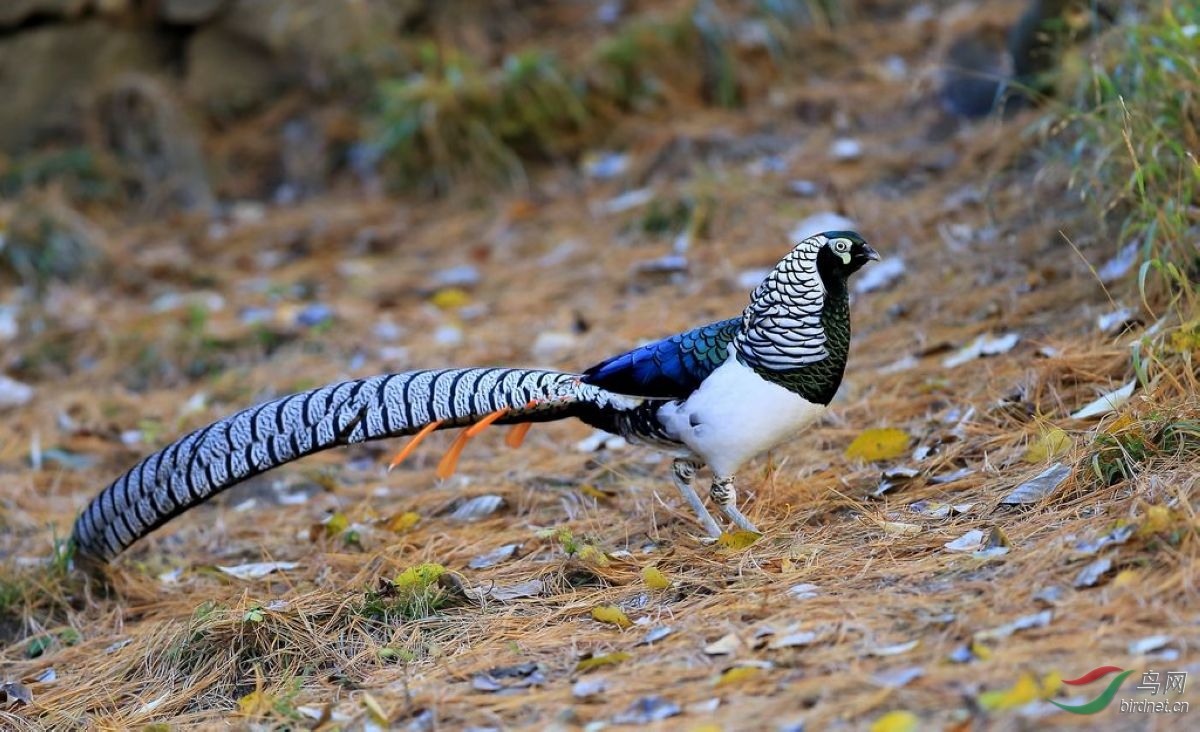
x=256, y=570
x=878, y=444
x=1091, y=575
x=494, y=557
x=897, y=721
x=737, y=674
x=479, y=507
x=1025, y=622
x=507, y=593
x=374, y=709
x=725, y=645
x=402, y=522
x=793, y=640
x=1038, y=487
x=968, y=542
x=655, y=635
x=893, y=650
x=612, y=615
x=737, y=540
x=14, y=692
x=655, y=579
x=1105, y=403
x=1049, y=444
x=590, y=662
x=648, y=709
x=984, y=345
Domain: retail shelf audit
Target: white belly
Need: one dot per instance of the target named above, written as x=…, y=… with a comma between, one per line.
x=736, y=415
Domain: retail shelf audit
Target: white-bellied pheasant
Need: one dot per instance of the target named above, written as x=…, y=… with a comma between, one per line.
x=717, y=395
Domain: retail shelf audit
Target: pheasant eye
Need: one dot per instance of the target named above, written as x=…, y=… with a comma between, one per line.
x=841, y=245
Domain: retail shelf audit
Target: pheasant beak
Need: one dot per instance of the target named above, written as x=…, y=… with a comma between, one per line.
x=868, y=253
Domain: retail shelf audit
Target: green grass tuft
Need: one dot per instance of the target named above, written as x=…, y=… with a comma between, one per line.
x=453, y=119
x=1135, y=156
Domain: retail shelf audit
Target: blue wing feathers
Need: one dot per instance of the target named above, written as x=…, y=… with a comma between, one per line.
x=668, y=369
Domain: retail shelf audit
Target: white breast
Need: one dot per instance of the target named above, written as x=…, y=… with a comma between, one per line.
x=736, y=415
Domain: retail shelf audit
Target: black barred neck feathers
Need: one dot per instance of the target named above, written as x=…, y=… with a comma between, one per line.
x=796, y=330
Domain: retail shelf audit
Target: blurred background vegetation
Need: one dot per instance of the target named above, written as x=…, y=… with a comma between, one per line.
x=136, y=109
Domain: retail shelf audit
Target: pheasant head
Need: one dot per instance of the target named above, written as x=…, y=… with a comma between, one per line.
x=796, y=329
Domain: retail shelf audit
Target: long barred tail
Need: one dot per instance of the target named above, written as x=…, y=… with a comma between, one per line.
x=201, y=464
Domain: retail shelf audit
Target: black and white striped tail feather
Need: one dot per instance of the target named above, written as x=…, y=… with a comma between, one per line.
x=213, y=458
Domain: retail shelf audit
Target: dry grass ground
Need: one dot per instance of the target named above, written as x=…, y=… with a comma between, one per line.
x=992, y=244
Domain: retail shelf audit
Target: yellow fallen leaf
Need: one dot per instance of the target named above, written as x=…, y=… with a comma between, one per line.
x=1119, y=424
x=878, y=444
x=897, y=721
x=900, y=529
x=737, y=540
x=450, y=298
x=402, y=521
x=997, y=538
x=611, y=614
x=336, y=524
x=1125, y=578
x=980, y=651
x=606, y=659
x=374, y=711
x=594, y=492
x=420, y=576
x=655, y=579
x=707, y=727
x=1024, y=691
x=254, y=704
x=1158, y=520
x=1050, y=684
x=1049, y=444
x=737, y=674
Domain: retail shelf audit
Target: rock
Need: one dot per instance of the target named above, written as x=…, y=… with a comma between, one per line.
x=974, y=73
x=140, y=122
x=228, y=75
x=996, y=68
x=322, y=33
x=113, y=8
x=15, y=12
x=189, y=12
x=60, y=64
